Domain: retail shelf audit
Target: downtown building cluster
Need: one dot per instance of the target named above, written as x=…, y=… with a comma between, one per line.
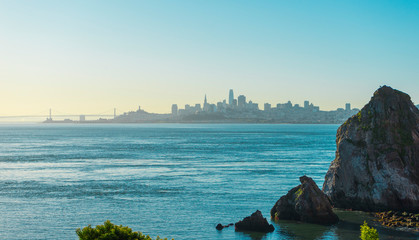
x=239, y=110
x=241, y=105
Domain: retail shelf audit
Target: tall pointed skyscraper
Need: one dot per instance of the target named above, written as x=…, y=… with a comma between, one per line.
x=231, y=97
x=206, y=106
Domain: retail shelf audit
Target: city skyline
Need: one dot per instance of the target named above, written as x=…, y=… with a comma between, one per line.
x=169, y=108
x=241, y=103
x=238, y=102
x=81, y=57
x=235, y=110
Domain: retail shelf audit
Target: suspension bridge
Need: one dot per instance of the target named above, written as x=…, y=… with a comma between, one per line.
x=54, y=114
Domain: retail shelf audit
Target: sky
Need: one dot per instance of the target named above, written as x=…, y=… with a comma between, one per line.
x=88, y=57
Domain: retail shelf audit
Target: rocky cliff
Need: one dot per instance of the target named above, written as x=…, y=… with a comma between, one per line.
x=377, y=158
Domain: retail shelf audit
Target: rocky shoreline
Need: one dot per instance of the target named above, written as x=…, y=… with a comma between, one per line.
x=402, y=221
x=376, y=169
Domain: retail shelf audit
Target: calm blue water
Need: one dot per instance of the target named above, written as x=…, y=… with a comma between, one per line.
x=172, y=180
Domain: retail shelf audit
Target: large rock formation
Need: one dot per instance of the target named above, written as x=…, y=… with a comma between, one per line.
x=306, y=203
x=377, y=158
x=254, y=223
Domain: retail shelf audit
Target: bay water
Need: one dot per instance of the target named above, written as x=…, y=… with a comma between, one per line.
x=172, y=180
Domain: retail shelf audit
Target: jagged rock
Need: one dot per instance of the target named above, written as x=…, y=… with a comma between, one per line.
x=255, y=223
x=306, y=203
x=219, y=227
x=377, y=158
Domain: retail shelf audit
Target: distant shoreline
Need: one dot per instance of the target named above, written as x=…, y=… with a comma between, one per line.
x=192, y=122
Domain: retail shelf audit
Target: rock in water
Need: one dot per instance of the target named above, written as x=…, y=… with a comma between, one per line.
x=221, y=227
x=255, y=223
x=306, y=203
x=377, y=158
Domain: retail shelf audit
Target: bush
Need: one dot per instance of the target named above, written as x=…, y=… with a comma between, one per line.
x=110, y=231
x=368, y=233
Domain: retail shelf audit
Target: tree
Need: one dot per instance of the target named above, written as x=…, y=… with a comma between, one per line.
x=368, y=233
x=110, y=231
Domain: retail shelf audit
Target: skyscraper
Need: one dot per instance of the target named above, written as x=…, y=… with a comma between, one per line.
x=206, y=105
x=348, y=107
x=198, y=107
x=241, y=101
x=267, y=107
x=306, y=104
x=230, y=97
x=174, y=109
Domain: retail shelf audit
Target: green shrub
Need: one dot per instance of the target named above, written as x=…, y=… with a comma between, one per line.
x=368, y=233
x=110, y=231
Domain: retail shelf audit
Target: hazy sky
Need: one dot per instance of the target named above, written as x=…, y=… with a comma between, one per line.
x=91, y=56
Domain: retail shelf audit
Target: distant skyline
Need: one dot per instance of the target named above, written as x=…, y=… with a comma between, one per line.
x=91, y=56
